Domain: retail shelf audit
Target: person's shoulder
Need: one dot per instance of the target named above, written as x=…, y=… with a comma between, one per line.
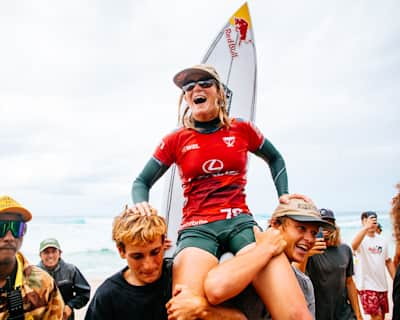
x=38, y=278
x=239, y=122
x=176, y=131
x=67, y=266
x=168, y=263
x=108, y=286
x=344, y=246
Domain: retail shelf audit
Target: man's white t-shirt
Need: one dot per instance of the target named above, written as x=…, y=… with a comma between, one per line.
x=372, y=255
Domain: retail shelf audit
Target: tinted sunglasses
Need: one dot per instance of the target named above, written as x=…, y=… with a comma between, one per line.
x=17, y=228
x=202, y=83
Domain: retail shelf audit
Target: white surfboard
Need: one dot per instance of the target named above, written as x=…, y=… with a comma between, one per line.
x=233, y=55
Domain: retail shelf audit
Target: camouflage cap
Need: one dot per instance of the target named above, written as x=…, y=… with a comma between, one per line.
x=301, y=211
x=9, y=205
x=182, y=77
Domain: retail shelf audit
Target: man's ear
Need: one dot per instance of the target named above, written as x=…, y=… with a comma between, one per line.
x=121, y=251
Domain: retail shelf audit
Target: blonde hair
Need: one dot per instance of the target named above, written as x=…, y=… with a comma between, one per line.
x=186, y=117
x=136, y=229
x=395, y=214
x=334, y=239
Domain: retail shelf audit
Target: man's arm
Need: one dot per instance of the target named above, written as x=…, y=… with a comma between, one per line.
x=390, y=267
x=362, y=233
x=396, y=258
x=353, y=297
x=185, y=305
x=229, y=278
x=81, y=291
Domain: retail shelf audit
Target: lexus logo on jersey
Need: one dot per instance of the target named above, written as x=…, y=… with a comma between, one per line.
x=212, y=166
x=229, y=141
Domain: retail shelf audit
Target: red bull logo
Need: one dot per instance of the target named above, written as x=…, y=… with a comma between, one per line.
x=236, y=34
x=241, y=27
x=231, y=42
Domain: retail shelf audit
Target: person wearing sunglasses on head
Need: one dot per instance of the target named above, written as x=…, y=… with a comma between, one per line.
x=26, y=291
x=211, y=151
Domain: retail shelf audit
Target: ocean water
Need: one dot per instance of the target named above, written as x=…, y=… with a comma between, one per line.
x=86, y=241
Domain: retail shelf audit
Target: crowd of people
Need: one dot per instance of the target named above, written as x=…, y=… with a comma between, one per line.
x=296, y=267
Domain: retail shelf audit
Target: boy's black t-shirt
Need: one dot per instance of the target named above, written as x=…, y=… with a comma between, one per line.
x=118, y=300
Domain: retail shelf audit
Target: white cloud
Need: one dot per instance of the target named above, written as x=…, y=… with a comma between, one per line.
x=86, y=94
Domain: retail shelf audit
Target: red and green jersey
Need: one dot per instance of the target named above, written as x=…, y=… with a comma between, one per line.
x=212, y=168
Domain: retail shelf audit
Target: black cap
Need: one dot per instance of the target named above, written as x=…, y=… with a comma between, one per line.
x=367, y=214
x=327, y=214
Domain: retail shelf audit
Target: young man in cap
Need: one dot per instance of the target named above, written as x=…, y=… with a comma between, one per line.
x=73, y=286
x=330, y=267
x=372, y=253
x=26, y=291
x=297, y=222
x=143, y=289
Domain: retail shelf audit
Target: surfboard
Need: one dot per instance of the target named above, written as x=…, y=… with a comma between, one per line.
x=233, y=55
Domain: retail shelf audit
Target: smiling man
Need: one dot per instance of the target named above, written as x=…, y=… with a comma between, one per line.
x=297, y=223
x=143, y=288
x=26, y=291
x=74, y=288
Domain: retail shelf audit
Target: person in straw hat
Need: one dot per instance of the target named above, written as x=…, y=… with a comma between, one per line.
x=211, y=151
x=26, y=291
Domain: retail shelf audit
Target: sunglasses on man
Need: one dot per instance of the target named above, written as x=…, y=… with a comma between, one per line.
x=17, y=228
x=202, y=83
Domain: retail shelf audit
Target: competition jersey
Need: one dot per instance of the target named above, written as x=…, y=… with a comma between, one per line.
x=212, y=167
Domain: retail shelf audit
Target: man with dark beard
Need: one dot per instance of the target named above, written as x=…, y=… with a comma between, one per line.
x=26, y=291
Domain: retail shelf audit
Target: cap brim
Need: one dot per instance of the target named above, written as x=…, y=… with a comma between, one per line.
x=319, y=221
x=181, y=77
x=49, y=246
x=329, y=219
x=26, y=215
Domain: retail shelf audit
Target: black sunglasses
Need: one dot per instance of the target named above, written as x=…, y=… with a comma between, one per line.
x=202, y=83
x=17, y=228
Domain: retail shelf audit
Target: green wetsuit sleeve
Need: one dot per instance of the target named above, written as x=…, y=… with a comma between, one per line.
x=152, y=171
x=276, y=164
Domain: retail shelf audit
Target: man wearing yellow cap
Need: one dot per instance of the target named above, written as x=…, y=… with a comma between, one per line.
x=26, y=291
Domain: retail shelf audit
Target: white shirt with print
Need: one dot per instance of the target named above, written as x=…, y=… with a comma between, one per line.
x=372, y=255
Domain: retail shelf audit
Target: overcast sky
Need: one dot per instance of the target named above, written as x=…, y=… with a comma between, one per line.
x=86, y=94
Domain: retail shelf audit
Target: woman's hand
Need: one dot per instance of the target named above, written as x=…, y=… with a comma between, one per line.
x=143, y=208
x=284, y=199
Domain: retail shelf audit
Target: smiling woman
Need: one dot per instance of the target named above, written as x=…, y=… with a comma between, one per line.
x=211, y=151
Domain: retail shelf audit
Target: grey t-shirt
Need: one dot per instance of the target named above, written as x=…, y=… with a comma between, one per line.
x=328, y=272
x=307, y=288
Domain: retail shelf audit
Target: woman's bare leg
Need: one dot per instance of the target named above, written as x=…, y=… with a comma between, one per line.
x=279, y=289
x=277, y=286
x=190, y=268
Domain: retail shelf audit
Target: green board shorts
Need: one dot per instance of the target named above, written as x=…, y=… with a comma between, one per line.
x=219, y=237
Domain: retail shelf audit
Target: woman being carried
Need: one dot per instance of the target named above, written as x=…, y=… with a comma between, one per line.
x=211, y=152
